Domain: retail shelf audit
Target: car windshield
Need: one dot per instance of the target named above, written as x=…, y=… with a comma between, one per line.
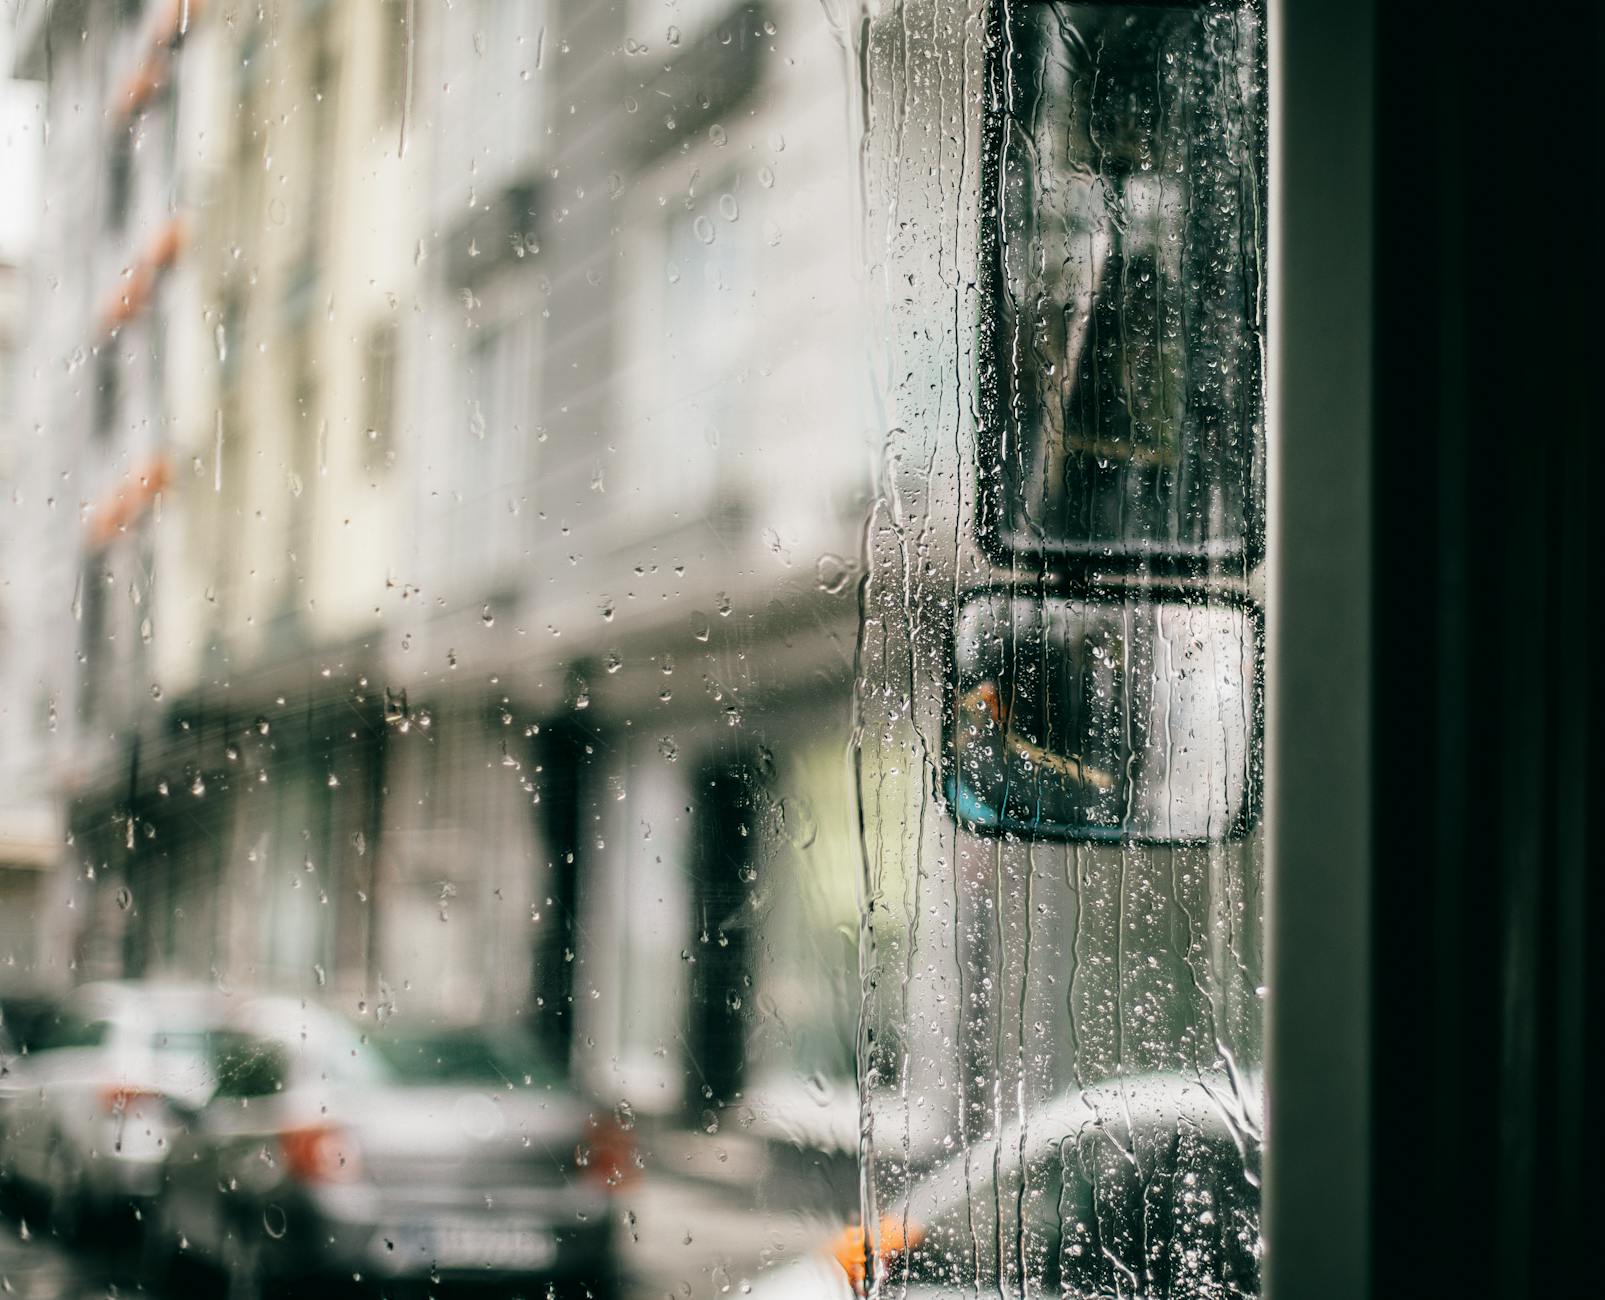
x=486, y=1057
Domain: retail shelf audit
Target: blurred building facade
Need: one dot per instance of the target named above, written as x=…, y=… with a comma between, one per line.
x=31, y=831
x=462, y=425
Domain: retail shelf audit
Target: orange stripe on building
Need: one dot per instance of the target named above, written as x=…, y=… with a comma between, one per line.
x=133, y=295
x=150, y=74
x=128, y=501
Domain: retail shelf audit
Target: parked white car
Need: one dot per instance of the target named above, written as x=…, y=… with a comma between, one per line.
x=89, y=1111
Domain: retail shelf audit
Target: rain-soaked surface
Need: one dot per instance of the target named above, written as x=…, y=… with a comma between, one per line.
x=631, y=653
x=1059, y=709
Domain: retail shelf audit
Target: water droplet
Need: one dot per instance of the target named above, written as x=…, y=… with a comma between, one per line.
x=833, y=573
x=798, y=818
x=727, y=207
x=716, y=133
x=125, y=898
x=668, y=748
x=486, y=617
x=672, y=35
x=624, y=1113
x=155, y=691
x=274, y=1222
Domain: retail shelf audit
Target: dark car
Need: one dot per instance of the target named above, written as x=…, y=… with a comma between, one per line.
x=433, y=1153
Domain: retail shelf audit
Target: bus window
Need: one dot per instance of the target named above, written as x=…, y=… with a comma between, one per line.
x=1121, y=445
x=1127, y=285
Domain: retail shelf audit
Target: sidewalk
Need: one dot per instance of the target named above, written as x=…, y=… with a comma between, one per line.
x=711, y=1214
x=692, y=1240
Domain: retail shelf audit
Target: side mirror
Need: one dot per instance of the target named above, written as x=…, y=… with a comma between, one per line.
x=1124, y=718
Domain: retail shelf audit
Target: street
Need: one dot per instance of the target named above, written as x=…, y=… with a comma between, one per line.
x=33, y=1266
x=681, y=1239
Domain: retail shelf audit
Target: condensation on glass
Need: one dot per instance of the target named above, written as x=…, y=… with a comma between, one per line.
x=1060, y=700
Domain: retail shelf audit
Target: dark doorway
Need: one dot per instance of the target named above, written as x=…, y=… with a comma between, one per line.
x=565, y=754
x=723, y=869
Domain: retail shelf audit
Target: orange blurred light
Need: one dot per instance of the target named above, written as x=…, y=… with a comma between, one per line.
x=131, y=498
x=119, y=1099
x=319, y=1153
x=607, y=1154
x=851, y=1250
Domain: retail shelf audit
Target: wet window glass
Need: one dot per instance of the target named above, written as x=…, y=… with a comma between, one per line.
x=1061, y=711
x=631, y=647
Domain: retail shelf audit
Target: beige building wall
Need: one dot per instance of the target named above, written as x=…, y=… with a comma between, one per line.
x=311, y=261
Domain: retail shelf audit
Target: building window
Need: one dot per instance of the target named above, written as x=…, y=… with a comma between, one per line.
x=691, y=403
x=490, y=109
x=119, y=176
x=108, y=389
x=490, y=466
x=92, y=636
x=379, y=395
x=395, y=44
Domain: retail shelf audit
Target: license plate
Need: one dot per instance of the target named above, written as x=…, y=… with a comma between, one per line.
x=487, y=1246
x=492, y=1246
